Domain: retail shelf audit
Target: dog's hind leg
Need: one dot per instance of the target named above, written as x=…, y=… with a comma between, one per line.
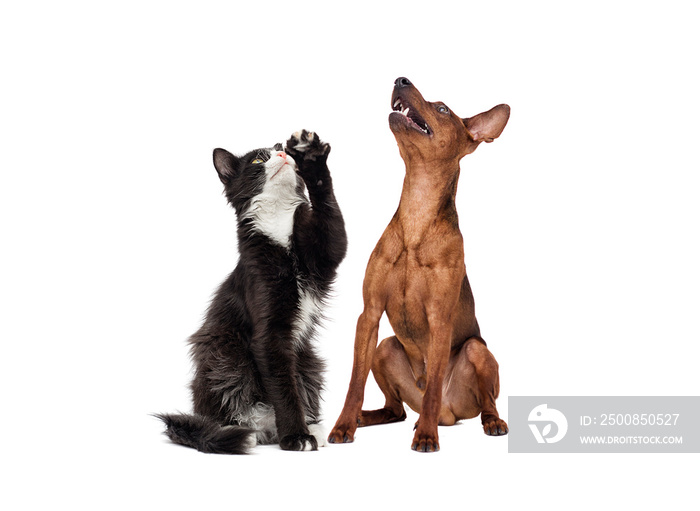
x=401, y=383
x=392, y=372
x=473, y=386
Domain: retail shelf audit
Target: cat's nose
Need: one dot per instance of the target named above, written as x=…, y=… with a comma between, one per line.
x=282, y=154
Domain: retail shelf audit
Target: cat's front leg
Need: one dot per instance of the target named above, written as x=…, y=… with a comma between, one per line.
x=310, y=154
x=277, y=362
x=320, y=230
x=293, y=433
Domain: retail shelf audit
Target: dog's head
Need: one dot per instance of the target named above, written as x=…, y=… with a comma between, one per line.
x=430, y=132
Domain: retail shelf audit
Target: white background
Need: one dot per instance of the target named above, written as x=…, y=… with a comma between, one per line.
x=580, y=227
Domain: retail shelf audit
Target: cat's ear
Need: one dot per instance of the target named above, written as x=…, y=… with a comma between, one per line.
x=226, y=165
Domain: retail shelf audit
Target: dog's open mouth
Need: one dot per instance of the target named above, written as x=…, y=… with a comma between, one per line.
x=414, y=120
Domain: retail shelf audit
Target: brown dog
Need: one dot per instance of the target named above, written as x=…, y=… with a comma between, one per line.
x=437, y=363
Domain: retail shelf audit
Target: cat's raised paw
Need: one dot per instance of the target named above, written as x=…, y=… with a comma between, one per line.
x=300, y=442
x=306, y=145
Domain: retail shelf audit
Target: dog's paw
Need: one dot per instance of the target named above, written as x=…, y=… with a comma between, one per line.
x=495, y=427
x=299, y=442
x=425, y=439
x=306, y=145
x=343, y=433
x=425, y=443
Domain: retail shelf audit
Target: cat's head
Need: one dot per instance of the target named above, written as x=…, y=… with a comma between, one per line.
x=269, y=170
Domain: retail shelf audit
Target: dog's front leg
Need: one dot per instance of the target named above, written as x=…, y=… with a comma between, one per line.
x=366, y=338
x=426, y=435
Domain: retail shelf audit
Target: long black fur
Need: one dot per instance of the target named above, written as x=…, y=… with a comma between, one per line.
x=250, y=356
x=206, y=435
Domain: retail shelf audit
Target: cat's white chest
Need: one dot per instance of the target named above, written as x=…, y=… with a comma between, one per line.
x=274, y=220
x=272, y=214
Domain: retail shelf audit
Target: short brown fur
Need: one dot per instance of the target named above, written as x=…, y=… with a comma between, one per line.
x=436, y=362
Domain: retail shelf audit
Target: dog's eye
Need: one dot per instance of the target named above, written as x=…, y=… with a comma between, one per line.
x=443, y=109
x=256, y=161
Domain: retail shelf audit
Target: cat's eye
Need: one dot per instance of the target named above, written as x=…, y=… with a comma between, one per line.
x=443, y=109
x=257, y=160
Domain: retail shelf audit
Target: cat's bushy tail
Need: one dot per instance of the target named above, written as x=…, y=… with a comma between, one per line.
x=207, y=435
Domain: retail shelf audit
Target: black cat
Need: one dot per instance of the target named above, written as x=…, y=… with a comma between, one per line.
x=258, y=377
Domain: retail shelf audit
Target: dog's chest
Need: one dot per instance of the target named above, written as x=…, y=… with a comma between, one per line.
x=409, y=293
x=423, y=284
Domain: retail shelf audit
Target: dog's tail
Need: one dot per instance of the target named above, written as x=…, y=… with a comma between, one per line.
x=207, y=435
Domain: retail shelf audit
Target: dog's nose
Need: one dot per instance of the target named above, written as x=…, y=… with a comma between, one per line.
x=402, y=82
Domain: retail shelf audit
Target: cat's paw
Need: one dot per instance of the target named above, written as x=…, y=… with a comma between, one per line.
x=306, y=145
x=318, y=432
x=299, y=442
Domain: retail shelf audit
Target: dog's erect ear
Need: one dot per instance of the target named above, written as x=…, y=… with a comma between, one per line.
x=226, y=165
x=487, y=126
